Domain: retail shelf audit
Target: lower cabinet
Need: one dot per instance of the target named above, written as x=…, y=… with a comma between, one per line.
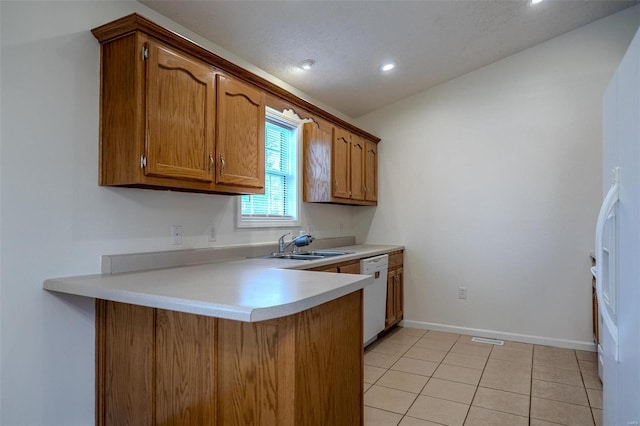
x=351, y=267
x=395, y=290
x=160, y=367
x=395, y=284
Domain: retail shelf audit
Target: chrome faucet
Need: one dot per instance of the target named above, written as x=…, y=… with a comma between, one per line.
x=281, y=244
x=302, y=240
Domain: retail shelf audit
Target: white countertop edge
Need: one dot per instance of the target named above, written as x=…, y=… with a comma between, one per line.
x=76, y=286
x=149, y=300
x=207, y=308
x=262, y=314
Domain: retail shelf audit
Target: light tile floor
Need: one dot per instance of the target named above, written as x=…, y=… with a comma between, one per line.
x=416, y=377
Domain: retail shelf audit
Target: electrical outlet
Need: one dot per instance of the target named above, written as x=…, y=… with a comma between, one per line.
x=176, y=235
x=462, y=292
x=212, y=234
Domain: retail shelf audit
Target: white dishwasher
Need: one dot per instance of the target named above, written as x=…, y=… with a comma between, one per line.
x=375, y=296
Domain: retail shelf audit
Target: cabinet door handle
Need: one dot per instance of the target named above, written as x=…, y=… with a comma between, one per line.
x=211, y=162
x=221, y=164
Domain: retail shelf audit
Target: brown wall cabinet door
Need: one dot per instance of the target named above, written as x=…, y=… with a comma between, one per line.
x=240, y=134
x=357, y=166
x=179, y=127
x=371, y=171
x=340, y=163
x=316, y=172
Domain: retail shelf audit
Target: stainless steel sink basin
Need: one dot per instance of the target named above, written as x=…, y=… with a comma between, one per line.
x=326, y=253
x=293, y=256
x=307, y=255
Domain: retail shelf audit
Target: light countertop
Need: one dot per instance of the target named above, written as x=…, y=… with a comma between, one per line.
x=252, y=289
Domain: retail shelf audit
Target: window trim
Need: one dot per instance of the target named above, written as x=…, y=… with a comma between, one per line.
x=288, y=118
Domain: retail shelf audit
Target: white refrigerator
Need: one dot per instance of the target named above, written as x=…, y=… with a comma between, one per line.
x=617, y=247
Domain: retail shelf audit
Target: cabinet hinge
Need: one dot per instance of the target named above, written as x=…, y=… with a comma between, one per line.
x=145, y=53
x=143, y=161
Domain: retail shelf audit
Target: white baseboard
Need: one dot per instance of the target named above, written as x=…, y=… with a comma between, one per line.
x=524, y=338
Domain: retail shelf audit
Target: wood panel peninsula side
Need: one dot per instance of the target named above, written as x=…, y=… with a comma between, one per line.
x=161, y=367
x=243, y=341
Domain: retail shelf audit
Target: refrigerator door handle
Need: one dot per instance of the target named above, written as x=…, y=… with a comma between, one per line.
x=608, y=204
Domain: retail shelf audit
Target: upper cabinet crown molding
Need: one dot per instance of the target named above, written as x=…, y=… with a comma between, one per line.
x=134, y=22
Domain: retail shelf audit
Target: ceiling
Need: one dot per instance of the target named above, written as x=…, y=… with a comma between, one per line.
x=431, y=41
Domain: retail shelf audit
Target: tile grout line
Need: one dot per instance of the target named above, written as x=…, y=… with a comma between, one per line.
x=593, y=417
x=441, y=362
x=533, y=354
x=478, y=385
x=419, y=393
x=430, y=377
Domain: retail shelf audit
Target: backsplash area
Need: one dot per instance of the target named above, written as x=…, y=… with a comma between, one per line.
x=132, y=262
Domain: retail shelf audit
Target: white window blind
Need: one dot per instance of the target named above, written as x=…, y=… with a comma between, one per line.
x=279, y=204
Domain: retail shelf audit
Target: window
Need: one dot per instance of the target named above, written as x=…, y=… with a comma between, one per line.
x=279, y=205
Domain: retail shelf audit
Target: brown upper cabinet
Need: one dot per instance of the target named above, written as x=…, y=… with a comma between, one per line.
x=174, y=115
x=139, y=119
x=170, y=120
x=339, y=166
x=356, y=168
x=179, y=97
x=371, y=171
x=240, y=136
x=340, y=163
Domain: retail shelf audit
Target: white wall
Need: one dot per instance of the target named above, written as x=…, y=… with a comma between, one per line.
x=56, y=220
x=493, y=182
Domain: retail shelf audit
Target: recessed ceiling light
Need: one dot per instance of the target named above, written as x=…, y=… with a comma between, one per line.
x=306, y=64
x=387, y=66
x=532, y=2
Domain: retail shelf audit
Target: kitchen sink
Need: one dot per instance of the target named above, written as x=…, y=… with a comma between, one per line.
x=325, y=253
x=293, y=256
x=307, y=255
